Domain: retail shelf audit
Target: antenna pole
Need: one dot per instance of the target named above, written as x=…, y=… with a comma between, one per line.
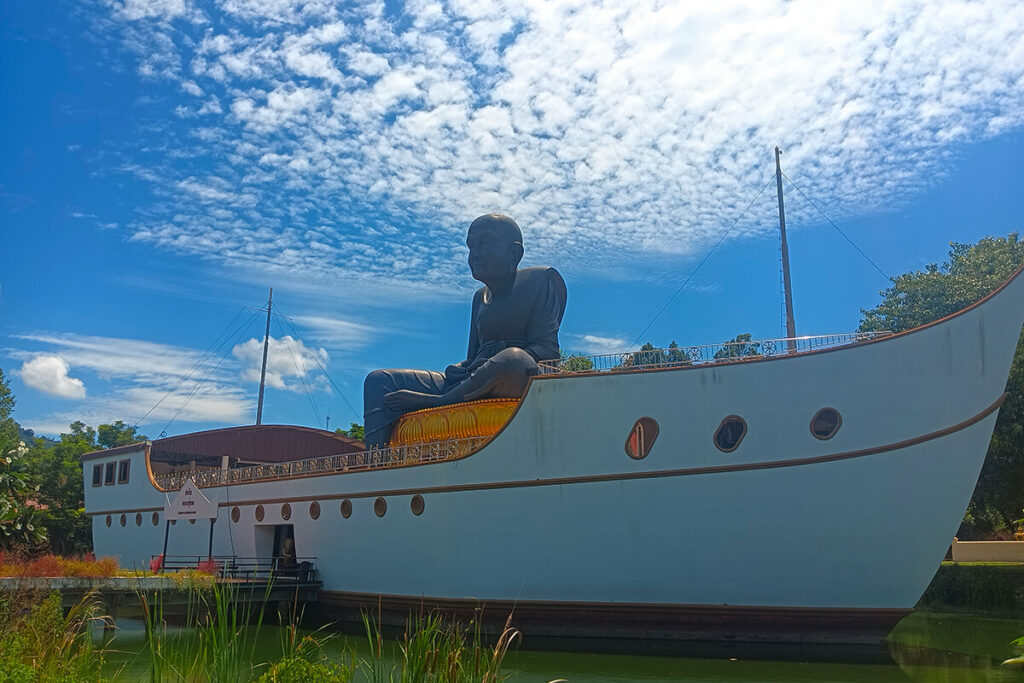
x=263, y=372
x=790, y=322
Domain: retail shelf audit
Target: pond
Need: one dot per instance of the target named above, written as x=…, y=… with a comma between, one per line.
x=926, y=647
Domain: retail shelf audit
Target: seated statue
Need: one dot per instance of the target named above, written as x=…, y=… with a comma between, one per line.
x=514, y=324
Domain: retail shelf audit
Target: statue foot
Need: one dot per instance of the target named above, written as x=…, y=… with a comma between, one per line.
x=406, y=400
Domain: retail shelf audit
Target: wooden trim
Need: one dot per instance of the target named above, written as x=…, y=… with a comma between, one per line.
x=622, y=476
x=626, y=476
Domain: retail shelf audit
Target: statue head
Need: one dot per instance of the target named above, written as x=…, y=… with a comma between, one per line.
x=495, y=247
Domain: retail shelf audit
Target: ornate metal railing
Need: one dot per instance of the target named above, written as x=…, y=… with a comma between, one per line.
x=376, y=458
x=649, y=359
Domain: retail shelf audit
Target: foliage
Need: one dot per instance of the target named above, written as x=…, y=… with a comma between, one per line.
x=38, y=642
x=978, y=588
x=355, y=431
x=917, y=298
x=117, y=434
x=576, y=362
x=435, y=649
x=650, y=357
x=19, y=517
x=54, y=566
x=299, y=670
x=739, y=346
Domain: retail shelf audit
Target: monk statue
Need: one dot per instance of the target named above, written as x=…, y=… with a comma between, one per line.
x=514, y=325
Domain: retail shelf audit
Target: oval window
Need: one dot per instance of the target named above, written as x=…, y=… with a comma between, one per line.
x=259, y=513
x=286, y=512
x=346, y=508
x=314, y=510
x=416, y=504
x=108, y=520
x=124, y=519
x=380, y=506
x=730, y=433
x=138, y=519
x=641, y=438
x=156, y=518
x=825, y=423
x=236, y=514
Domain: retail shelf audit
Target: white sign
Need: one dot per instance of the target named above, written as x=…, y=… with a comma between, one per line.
x=189, y=503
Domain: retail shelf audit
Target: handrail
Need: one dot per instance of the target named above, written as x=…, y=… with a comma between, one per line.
x=649, y=359
x=248, y=568
x=376, y=458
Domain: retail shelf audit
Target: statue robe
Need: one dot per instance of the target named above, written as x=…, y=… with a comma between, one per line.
x=507, y=337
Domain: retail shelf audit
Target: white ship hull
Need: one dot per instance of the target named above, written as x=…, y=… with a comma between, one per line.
x=553, y=513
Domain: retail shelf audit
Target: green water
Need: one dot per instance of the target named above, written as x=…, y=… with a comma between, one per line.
x=936, y=648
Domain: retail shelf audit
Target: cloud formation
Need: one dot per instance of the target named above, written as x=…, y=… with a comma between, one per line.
x=286, y=358
x=333, y=142
x=49, y=374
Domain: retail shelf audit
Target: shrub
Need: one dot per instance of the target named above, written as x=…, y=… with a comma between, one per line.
x=299, y=670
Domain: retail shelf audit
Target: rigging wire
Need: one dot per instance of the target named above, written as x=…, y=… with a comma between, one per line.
x=703, y=260
x=319, y=364
x=830, y=222
x=202, y=360
x=199, y=384
x=300, y=373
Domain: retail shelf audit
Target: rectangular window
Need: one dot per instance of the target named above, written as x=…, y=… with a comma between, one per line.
x=97, y=475
x=108, y=475
x=122, y=471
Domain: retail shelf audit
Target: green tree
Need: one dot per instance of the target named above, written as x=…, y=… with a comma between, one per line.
x=676, y=355
x=739, y=346
x=117, y=434
x=916, y=298
x=19, y=516
x=354, y=431
x=576, y=362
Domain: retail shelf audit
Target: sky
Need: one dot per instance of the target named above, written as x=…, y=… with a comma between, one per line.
x=163, y=163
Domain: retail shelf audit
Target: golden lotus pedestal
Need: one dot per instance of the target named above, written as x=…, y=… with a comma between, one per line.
x=463, y=421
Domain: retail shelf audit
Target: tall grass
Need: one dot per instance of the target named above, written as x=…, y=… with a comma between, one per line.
x=217, y=641
x=438, y=649
x=39, y=642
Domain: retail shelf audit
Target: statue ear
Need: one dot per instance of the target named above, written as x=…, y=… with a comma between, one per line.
x=515, y=251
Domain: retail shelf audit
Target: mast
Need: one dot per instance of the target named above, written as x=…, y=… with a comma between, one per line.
x=790, y=322
x=263, y=372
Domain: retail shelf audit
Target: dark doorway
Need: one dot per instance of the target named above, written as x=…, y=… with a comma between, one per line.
x=284, y=548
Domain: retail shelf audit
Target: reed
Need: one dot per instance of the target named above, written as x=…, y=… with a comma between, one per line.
x=40, y=642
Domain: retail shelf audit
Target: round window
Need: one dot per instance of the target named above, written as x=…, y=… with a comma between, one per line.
x=641, y=438
x=314, y=510
x=730, y=433
x=380, y=507
x=259, y=513
x=236, y=514
x=346, y=508
x=286, y=511
x=138, y=519
x=825, y=423
x=416, y=504
x=156, y=518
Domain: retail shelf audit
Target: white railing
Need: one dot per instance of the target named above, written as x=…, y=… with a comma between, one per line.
x=649, y=359
x=377, y=458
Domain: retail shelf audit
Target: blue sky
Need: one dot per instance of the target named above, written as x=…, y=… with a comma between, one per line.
x=164, y=162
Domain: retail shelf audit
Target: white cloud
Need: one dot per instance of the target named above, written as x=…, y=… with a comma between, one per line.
x=595, y=344
x=49, y=374
x=604, y=128
x=286, y=358
x=337, y=332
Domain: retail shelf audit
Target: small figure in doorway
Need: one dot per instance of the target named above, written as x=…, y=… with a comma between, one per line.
x=286, y=563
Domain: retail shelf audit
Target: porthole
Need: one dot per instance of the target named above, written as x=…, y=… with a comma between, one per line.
x=236, y=514
x=730, y=433
x=346, y=508
x=314, y=510
x=259, y=513
x=825, y=423
x=124, y=519
x=416, y=504
x=286, y=511
x=641, y=438
x=138, y=519
x=108, y=520
x=380, y=507
x=156, y=518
